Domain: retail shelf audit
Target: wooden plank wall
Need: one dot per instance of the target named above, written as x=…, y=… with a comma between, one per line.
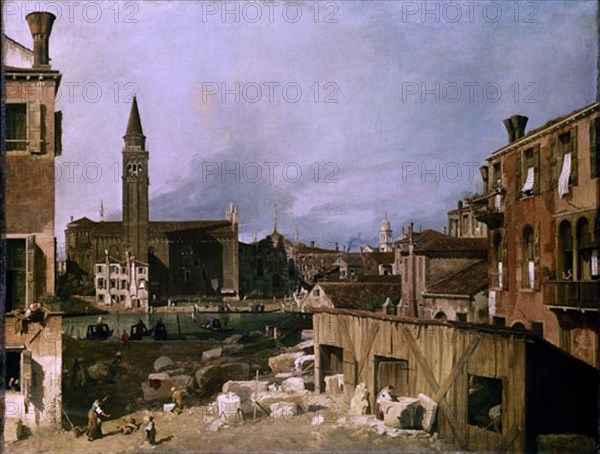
x=441, y=347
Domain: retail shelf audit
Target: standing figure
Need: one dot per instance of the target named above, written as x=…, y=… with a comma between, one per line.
x=150, y=430
x=94, y=428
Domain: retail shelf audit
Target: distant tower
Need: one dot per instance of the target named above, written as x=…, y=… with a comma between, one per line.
x=135, y=187
x=385, y=235
x=101, y=211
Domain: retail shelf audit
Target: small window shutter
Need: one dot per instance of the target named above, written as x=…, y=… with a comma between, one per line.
x=519, y=256
x=553, y=160
x=537, y=170
x=574, y=162
x=505, y=267
x=518, y=176
x=58, y=133
x=594, y=155
x=536, y=257
x=34, y=127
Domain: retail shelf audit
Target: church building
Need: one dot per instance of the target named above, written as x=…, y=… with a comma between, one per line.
x=197, y=257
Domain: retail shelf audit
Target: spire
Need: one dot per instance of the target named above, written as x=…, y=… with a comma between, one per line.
x=296, y=234
x=101, y=210
x=275, y=220
x=134, y=134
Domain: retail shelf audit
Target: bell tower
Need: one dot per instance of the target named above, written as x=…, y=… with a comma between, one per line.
x=135, y=187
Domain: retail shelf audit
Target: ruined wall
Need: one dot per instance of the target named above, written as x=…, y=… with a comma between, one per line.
x=39, y=402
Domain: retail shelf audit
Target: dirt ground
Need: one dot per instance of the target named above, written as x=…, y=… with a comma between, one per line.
x=198, y=429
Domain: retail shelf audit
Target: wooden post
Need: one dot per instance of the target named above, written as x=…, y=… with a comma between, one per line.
x=255, y=394
x=178, y=325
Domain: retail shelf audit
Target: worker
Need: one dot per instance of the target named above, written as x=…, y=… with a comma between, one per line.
x=387, y=394
x=179, y=397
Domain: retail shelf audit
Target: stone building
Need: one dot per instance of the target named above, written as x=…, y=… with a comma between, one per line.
x=124, y=283
x=32, y=341
x=462, y=223
x=184, y=257
x=541, y=206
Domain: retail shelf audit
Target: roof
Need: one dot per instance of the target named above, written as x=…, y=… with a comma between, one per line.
x=351, y=259
x=156, y=228
x=421, y=237
x=453, y=244
x=540, y=129
x=361, y=295
x=468, y=281
x=134, y=126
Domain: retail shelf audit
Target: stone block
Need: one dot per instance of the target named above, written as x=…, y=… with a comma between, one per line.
x=406, y=413
x=283, y=410
x=429, y=412
x=293, y=384
x=164, y=363
x=210, y=379
x=334, y=384
x=245, y=389
x=284, y=362
x=212, y=354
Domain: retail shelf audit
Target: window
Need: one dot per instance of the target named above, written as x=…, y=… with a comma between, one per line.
x=186, y=275
x=499, y=321
x=114, y=269
x=16, y=127
x=461, y=316
x=565, y=251
x=528, y=268
x=496, y=175
x=563, y=161
x=99, y=268
x=100, y=283
x=497, y=258
x=484, y=403
x=12, y=378
x=260, y=267
x=537, y=328
x=123, y=285
x=15, y=274
x=585, y=247
x=113, y=283
x=316, y=292
x=528, y=175
x=594, y=148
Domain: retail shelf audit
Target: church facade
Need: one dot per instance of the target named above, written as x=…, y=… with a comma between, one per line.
x=183, y=257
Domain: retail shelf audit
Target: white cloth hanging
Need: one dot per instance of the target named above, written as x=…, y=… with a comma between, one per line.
x=528, y=186
x=563, y=180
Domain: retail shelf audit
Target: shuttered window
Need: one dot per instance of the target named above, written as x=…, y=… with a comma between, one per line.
x=16, y=127
x=594, y=152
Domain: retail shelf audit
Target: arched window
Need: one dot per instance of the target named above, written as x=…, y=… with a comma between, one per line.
x=528, y=258
x=565, y=251
x=440, y=316
x=584, y=250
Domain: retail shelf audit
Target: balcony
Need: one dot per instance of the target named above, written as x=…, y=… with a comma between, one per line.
x=573, y=295
x=489, y=208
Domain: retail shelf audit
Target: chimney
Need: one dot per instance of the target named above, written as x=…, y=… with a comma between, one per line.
x=519, y=123
x=445, y=230
x=515, y=126
x=40, y=25
x=484, y=170
x=337, y=247
x=312, y=244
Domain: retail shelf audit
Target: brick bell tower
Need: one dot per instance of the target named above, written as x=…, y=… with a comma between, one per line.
x=135, y=187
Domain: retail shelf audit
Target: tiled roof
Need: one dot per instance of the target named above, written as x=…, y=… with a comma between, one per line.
x=468, y=281
x=421, y=237
x=361, y=295
x=156, y=228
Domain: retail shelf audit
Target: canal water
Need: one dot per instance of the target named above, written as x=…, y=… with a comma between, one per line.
x=182, y=326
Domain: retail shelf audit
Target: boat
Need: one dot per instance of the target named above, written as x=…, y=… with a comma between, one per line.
x=98, y=332
x=214, y=324
x=160, y=331
x=138, y=331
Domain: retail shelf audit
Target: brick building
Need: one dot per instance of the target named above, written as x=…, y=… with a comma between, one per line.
x=31, y=362
x=540, y=204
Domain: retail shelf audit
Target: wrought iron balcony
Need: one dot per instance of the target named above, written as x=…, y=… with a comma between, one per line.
x=575, y=295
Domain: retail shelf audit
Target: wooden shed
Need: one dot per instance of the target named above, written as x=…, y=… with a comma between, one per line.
x=541, y=388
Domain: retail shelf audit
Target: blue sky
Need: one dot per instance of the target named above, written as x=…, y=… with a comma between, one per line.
x=376, y=60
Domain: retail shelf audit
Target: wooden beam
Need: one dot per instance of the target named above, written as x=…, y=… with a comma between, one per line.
x=412, y=343
x=449, y=380
x=363, y=360
x=508, y=439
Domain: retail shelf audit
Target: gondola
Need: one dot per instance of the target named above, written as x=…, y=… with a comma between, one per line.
x=160, y=331
x=214, y=324
x=98, y=332
x=138, y=331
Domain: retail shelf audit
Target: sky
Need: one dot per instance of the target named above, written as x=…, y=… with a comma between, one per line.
x=331, y=113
